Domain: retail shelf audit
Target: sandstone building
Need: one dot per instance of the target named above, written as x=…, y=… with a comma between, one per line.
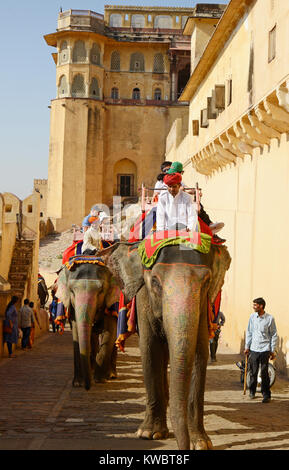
x=118, y=77
x=236, y=146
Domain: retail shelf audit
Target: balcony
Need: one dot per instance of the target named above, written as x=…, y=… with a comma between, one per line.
x=80, y=20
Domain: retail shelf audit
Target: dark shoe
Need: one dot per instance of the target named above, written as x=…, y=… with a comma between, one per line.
x=266, y=400
x=252, y=395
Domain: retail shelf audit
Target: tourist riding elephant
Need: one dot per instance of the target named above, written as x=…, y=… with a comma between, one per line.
x=88, y=291
x=171, y=299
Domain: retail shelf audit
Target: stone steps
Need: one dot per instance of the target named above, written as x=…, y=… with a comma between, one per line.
x=20, y=266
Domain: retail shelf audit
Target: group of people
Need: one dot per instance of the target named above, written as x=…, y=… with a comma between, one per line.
x=22, y=321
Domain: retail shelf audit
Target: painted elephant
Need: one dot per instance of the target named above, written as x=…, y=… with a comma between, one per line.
x=171, y=299
x=88, y=290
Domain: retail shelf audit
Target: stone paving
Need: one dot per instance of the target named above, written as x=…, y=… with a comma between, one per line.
x=39, y=409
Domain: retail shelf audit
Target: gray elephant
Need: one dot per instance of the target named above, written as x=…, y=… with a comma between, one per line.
x=88, y=291
x=171, y=299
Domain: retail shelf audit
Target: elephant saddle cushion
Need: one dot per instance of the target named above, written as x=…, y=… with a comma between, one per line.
x=150, y=247
x=73, y=260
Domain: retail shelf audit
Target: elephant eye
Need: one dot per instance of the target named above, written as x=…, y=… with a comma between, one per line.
x=156, y=284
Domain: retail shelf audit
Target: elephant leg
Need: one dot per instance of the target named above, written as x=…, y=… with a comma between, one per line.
x=154, y=355
x=94, y=346
x=102, y=369
x=78, y=376
x=198, y=436
x=113, y=373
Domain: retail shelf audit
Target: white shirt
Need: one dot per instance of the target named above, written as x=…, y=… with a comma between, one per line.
x=176, y=210
x=91, y=239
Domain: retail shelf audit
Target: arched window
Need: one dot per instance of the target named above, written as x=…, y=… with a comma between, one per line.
x=79, y=52
x=95, y=54
x=136, y=94
x=63, y=53
x=78, y=86
x=114, y=93
x=137, y=21
x=115, y=61
x=62, y=87
x=157, y=94
x=94, y=89
x=115, y=20
x=159, y=66
x=125, y=178
x=163, y=22
x=137, y=62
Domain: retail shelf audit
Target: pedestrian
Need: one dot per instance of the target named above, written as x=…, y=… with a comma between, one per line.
x=261, y=341
x=10, y=325
x=26, y=320
x=53, y=312
x=32, y=331
x=220, y=321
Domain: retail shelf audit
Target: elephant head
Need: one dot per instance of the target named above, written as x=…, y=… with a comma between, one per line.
x=178, y=285
x=86, y=290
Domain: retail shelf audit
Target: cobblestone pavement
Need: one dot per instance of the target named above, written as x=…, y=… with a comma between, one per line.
x=39, y=409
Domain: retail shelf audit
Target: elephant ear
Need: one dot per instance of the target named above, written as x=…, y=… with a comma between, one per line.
x=113, y=293
x=124, y=262
x=221, y=264
x=63, y=292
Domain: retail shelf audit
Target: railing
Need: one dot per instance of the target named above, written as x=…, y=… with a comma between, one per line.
x=91, y=13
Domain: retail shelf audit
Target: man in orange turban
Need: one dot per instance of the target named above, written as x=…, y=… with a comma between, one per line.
x=175, y=210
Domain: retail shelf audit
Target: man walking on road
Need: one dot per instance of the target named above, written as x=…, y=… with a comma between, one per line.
x=261, y=341
x=25, y=322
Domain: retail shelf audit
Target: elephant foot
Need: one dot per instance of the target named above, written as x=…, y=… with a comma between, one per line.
x=201, y=441
x=100, y=380
x=112, y=375
x=76, y=382
x=153, y=430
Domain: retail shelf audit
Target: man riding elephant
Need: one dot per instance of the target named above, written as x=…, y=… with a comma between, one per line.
x=176, y=278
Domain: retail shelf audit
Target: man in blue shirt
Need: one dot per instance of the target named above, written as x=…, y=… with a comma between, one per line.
x=261, y=341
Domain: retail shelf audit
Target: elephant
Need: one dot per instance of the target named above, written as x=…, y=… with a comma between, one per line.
x=88, y=291
x=171, y=299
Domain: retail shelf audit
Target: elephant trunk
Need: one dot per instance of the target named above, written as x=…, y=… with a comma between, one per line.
x=181, y=318
x=85, y=307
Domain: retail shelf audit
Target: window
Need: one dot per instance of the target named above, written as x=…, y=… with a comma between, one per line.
x=125, y=185
x=195, y=127
x=204, y=118
x=63, y=53
x=114, y=93
x=158, y=94
x=79, y=52
x=29, y=208
x=136, y=94
x=78, y=87
x=115, y=20
x=94, y=88
x=163, y=22
x=159, y=66
x=137, y=21
x=137, y=62
x=62, y=88
x=115, y=61
x=95, y=54
x=229, y=91
x=272, y=44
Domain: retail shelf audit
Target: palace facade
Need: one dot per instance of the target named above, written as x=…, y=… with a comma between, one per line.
x=118, y=80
